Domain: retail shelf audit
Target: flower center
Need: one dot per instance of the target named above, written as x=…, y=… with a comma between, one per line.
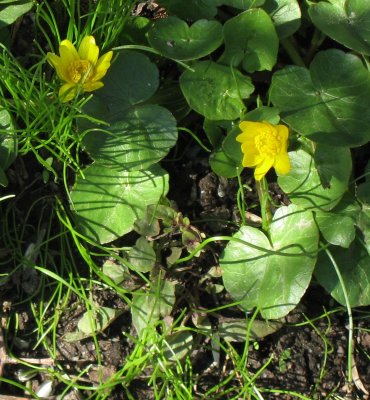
x=268, y=143
x=79, y=70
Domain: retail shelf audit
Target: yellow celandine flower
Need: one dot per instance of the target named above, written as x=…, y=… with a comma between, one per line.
x=81, y=70
x=264, y=146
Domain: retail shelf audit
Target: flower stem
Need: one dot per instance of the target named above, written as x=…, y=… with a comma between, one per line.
x=263, y=195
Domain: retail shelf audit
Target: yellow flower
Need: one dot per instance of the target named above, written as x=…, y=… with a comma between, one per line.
x=81, y=70
x=264, y=146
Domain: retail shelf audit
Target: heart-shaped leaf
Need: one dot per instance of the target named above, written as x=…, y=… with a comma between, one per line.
x=216, y=91
x=250, y=40
x=242, y=4
x=354, y=266
x=338, y=225
x=142, y=136
x=285, y=14
x=108, y=201
x=173, y=38
x=327, y=103
x=147, y=308
x=346, y=21
x=272, y=277
x=131, y=79
x=142, y=256
x=318, y=182
x=191, y=9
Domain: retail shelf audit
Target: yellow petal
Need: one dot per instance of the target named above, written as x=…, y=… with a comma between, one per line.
x=68, y=52
x=282, y=163
x=283, y=132
x=251, y=155
x=67, y=92
x=57, y=63
x=252, y=129
x=262, y=169
x=91, y=86
x=102, y=66
x=88, y=50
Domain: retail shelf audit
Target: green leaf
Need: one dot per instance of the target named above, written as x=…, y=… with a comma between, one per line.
x=11, y=11
x=216, y=91
x=117, y=272
x=147, y=308
x=223, y=165
x=272, y=277
x=141, y=136
x=191, y=9
x=107, y=201
x=215, y=131
x=177, y=346
x=8, y=140
x=320, y=182
x=135, y=31
x=327, y=103
x=336, y=228
x=131, y=79
x=250, y=40
x=92, y=322
x=173, y=38
x=354, y=266
x=338, y=225
x=142, y=256
x=242, y=4
x=285, y=14
x=238, y=329
x=346, y=21
x=232, y=148
x=269, y=114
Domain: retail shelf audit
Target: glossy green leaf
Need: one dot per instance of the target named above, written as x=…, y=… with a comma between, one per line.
x=131, y=79
x=272, y=276
x=107, y=201
x=223, y=165
x=191, y=9
x=8, y=140
x=147, y=308
x=177, y=346
x=318, y=182
x=232, y=148
x=141, y=136
x=285, y=14
x=11, y=11
x=250, y=40
x=354, y=265
x=336, y=228
x=346, y=21
x=216, y=91
x=173, y=38
x=142, y=256
x=338, y=225
x=269, y=114
x=215, y=131
x=242, y=4
x=328, y=102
